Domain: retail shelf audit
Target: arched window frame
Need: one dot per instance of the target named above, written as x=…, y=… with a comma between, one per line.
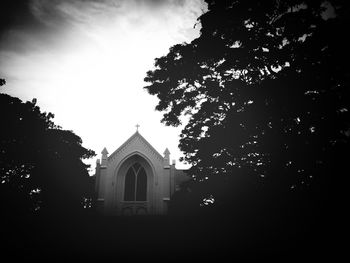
x=137, y=192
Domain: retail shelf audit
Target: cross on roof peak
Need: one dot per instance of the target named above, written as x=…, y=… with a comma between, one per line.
x=137, y=127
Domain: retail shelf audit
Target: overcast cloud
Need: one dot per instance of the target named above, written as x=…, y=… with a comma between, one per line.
x=85, y=60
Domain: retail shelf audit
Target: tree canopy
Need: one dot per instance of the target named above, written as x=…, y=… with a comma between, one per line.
x=263, y=93
x=41, y=165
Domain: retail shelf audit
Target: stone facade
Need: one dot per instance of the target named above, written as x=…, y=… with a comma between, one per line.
x=136, y=180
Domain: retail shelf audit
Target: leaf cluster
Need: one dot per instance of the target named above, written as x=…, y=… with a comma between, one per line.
x=41, y=165
x=264, y=88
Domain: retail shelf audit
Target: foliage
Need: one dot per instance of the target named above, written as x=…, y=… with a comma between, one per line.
x=41, y=165
x=265, y=93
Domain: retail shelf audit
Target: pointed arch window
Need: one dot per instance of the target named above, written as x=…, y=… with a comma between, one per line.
x=135, y=184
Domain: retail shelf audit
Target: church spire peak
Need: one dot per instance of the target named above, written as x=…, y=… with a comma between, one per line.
x=104, y=157
x=166, y=152
x=104, y=151
x=166, y=158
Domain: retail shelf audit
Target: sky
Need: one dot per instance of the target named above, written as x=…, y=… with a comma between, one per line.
x=85, y=61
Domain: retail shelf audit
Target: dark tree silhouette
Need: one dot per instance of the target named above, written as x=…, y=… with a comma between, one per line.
x=265, y=93
x=41, y=165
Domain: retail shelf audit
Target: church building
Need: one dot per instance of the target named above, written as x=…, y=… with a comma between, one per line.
x=136, y=180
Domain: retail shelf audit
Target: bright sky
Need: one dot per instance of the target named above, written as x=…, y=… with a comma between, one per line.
x=85, y=61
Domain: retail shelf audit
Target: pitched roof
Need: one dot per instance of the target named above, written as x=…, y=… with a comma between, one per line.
x=135, y=135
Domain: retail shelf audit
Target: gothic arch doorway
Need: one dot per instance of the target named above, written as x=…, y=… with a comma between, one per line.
x=134, y=186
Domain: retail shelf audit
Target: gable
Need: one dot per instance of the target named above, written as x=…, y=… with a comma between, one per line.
x=136, y=143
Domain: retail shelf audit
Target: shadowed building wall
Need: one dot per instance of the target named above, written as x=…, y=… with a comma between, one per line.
x=136, y=180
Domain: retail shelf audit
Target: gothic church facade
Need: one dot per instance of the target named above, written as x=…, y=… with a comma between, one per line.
x=136, y=180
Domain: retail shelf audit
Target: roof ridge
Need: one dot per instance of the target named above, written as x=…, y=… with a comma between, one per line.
x=129, y=140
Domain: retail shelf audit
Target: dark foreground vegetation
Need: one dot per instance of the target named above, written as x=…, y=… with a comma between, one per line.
x=43, y=219
x=267, y=97
x=280, y=237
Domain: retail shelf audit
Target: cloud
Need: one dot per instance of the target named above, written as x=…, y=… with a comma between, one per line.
x=85, y=61
x=50, y=23
x=15, y=13
x=59, y=12
x=63, y=13
x=56, y=28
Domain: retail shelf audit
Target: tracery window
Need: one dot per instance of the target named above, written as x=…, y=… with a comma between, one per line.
x=135, y=184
